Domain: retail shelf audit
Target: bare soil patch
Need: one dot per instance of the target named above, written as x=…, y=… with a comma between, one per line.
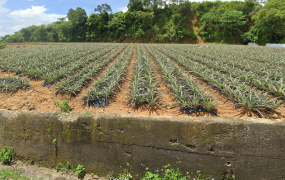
x=22, y=45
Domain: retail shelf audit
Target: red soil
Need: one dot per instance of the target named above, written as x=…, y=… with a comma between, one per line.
x=22, y=45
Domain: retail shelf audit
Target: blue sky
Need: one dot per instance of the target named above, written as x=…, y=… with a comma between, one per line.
x=17, y=14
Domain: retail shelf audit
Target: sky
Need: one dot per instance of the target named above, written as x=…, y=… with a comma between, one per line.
x=17, y=14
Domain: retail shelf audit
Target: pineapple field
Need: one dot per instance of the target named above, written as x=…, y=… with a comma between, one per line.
x=145, y=79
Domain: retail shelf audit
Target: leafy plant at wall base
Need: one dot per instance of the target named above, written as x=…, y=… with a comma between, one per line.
x=30, y=162
x=63, y=166
x=38, y=164
x=110, y=174
x=80, y=170
x=126, y=173
x=64, y=107
x=6, y=155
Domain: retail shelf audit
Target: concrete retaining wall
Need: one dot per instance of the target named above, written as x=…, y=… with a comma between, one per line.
x=275, y=45
x=267, y=44
x=249, y=148
x=252, y=44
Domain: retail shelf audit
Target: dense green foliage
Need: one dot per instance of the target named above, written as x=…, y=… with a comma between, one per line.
x=6, y=155
x=270, y=23
x=158, y=21
x=2, y=45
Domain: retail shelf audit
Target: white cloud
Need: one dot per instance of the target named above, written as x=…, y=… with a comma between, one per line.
x=18, y=19
x=35, y=15
x=124, y=9
x=2, y=9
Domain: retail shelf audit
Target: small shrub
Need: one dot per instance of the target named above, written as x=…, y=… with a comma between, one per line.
x=2, y=45
x=80, y=170
x=63, y=166
x=38, y=164
x=126, y=173
x=110, y=174
x=64, y=107
x=30, y=161
x=6, y=155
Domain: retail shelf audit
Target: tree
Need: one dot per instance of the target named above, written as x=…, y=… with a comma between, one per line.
x=270, y=21
x=135, y=5
x=77, y=16
x=78, y=19
x=27, y=32
x=39, y=34
x=96, y=26
x=117, y=27
x=103, y=8
x=232, y=23
x=63, y=31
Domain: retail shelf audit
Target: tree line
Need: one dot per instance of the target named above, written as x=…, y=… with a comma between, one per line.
x=159, y=21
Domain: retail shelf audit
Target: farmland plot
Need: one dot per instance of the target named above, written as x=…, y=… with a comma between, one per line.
x=150, y=79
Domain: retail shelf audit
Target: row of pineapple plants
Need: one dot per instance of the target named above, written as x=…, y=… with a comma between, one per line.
x=11, y=84
x=72, y=85
x=190, y=97
x=143, y=87
x=71, y=68
x=106, y=87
